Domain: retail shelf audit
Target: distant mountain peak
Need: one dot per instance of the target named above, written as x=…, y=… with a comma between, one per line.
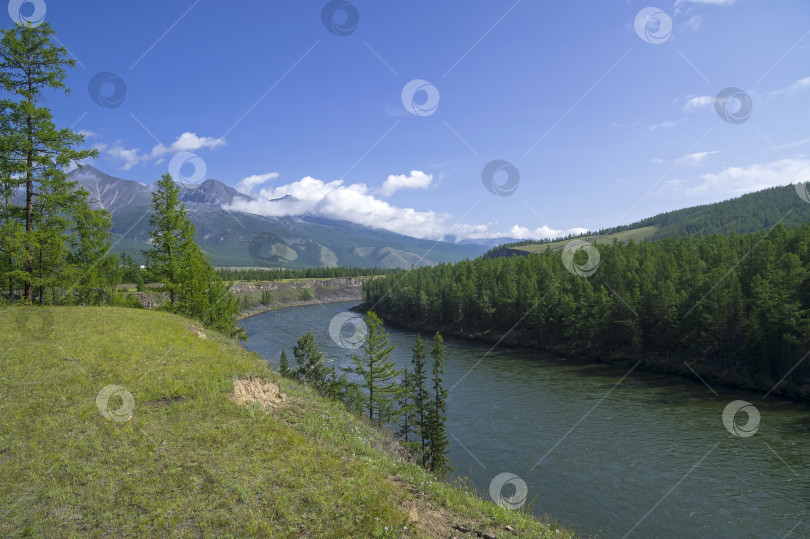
x=211, y=193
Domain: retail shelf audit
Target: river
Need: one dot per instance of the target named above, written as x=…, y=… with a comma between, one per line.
x=608, y=452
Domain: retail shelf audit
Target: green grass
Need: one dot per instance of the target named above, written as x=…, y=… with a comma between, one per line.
x=637, y=234
x=189, y=461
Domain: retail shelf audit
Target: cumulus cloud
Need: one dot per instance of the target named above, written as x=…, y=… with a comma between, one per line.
x=416, y=180
x=357, y=203
x=187, y=142
x=542, y=233
x=336, y=200
x=247, y=185
x=735, y=181
x=698, y=102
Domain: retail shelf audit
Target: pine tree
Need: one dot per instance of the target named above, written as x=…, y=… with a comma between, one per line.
x=378, y=372
x=437, y=435
x=34, y=156
x=310, y=367
x=284, y=365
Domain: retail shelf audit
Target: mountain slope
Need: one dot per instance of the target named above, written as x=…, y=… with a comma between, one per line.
x=241, y=239
x=742, y=215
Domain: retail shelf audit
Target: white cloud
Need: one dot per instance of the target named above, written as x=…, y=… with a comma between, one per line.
x=695, y=159
x=416, y=180
x=668, y=124
x=698, y=102
x=542, y=233
x=798, y=86
x=247, y=185
x=357, y=204
x=335, y=200
x=187, y=142
x=656, y=160
x=735, y=181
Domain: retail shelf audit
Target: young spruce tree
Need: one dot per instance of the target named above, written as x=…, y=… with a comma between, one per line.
x=284, y=365
x=310, y=367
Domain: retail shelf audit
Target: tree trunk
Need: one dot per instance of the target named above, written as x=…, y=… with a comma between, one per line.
x=29, y=197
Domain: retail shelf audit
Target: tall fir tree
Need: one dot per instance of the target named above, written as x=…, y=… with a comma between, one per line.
x=34, y=158
x=377, y=371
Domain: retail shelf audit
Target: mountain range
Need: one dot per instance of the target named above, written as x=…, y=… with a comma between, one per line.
x=240, y=239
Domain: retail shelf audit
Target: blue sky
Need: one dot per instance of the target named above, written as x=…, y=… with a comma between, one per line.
x=606, y=121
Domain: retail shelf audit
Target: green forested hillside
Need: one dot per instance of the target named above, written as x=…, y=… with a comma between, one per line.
x=743, y=215
x=736, y=307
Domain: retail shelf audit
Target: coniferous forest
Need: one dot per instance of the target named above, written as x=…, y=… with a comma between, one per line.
x=733, y=308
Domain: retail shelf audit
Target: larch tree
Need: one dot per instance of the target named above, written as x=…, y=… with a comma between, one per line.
x=184, y=271
x=377, y=372
x=34, y=158
x=437, y=420
x=421, y=397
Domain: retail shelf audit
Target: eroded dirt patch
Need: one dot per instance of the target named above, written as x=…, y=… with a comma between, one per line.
x=165, y=401
x=198, y=330
x=248, y=391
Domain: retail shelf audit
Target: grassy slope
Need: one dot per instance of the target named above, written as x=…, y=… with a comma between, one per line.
x=190, y=462
x=636, y=234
